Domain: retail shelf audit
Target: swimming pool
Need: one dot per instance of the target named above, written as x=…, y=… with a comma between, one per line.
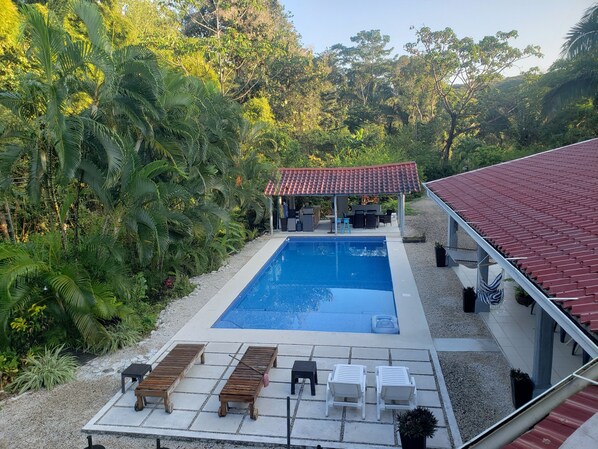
x=318, y=284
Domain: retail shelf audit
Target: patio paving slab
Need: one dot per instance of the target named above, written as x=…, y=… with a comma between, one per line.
x=195, y=385
x=327, y=364
x=428, y=398
x=302, y=351
x=218, y=359
x=370, y=433
x=398, y=355
x=316, y=429
x=187, y=401
x=381, y=354
x=279, y=375
x=178, y=419
x=274, y=407
x=265, y=426
x=424, y=382
x=417, y=367
x=211, y=422
x=206, y=371
x=332, y=351
x=125, y=415
x=227, y=348
x=312, y=409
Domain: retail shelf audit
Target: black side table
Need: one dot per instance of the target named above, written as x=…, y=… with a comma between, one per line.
x=136, y=371
x=304, y=369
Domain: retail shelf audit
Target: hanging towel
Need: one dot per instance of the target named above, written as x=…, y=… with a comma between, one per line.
x=492, y=293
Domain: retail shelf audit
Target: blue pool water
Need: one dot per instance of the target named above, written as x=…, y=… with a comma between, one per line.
x=317, y=284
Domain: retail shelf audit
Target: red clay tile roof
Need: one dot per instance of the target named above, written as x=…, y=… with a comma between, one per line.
x=382, y=179
x=542, y=207
x=563, y=420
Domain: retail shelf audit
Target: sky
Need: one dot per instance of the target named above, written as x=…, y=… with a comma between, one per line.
x=323, y=23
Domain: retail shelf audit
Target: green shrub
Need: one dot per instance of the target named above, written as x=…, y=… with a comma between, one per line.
x=9, y=367
x=118, y=336
x=45, y=370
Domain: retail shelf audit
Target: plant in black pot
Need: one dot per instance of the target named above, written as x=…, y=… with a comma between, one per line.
x=469, y=296
x=440, y=254
x=522, y=387
x=522, y=297
x=414, y=426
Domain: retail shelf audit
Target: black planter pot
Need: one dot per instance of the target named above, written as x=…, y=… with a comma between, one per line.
x=469, y=300
x=412, y=443
x=522, y=391
x=524, y=300
x=440, y=257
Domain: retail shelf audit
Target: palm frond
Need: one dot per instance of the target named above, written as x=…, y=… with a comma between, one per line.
x=111, y=143
x=583, y=36
x=96, y=180
x=91, y=16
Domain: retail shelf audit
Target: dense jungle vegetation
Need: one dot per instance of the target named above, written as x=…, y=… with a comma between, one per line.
x=136, y=138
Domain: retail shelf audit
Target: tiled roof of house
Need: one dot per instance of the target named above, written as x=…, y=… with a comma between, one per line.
x=561, y=422
x=543, y=210
x=382, y=179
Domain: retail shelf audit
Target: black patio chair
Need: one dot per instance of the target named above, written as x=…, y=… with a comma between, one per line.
x=359, y=220
x=386, y=218
x=371, y=220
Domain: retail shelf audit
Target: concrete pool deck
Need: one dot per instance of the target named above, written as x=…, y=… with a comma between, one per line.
x=196, y=398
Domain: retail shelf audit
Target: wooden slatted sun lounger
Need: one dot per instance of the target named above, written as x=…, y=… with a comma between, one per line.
x=246, y=381
x=165, y=377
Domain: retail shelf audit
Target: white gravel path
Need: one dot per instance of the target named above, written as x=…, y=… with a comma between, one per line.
x=477, y=382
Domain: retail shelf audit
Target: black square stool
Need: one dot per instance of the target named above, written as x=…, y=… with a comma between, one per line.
x=304, y=369
x=136, y=371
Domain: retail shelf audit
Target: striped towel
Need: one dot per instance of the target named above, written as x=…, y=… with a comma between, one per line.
x=492, y=293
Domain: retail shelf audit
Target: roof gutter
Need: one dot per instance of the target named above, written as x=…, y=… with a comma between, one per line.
x=521, y=420
x=578, y=334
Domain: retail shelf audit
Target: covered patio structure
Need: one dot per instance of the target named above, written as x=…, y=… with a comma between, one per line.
x=391, y=179
x=536, y=217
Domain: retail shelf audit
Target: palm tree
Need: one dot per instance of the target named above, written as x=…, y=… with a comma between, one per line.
x=583, y=37
x=575, y=77
x=50, y=134
x=38, y=274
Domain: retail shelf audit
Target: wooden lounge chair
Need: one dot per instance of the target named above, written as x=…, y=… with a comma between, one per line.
x=246, y=381
x=165, y=377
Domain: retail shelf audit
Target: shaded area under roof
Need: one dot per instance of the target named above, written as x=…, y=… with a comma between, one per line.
x=377, y=180
x=543, y=210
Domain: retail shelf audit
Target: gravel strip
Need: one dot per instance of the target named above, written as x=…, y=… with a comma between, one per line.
x=477, y=382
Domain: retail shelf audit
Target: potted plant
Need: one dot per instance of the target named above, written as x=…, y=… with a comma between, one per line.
x=469, y=297
x=414, y=426
x=440, y=254
x=522, y=387
x=522, y=297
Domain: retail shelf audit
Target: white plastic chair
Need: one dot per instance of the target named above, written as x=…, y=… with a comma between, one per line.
x=346, y=387
x=395, y=389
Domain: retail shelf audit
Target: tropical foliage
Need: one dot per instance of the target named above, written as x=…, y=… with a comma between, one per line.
x=136, y=138
x=46, y=370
